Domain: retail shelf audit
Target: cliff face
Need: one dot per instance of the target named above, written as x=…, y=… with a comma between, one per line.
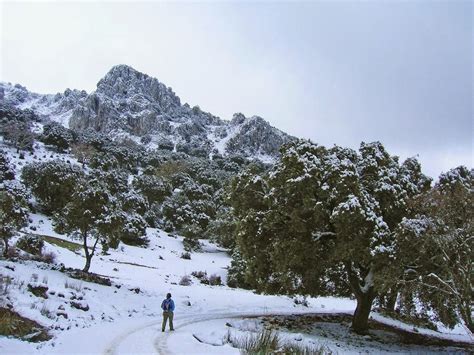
x=127, y=102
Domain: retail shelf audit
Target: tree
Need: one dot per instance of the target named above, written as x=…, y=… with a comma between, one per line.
x=13, y=211
x=52, y=183
x=57, y=135
x=15, y=126
x=339, y=204
x=154, y=188
x=436, y=249
x=19, y=135
x=91, y=213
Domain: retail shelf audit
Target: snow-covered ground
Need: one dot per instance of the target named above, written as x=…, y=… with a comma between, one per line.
x=126, y=317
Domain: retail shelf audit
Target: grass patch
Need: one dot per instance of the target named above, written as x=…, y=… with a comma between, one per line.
x=12, y=324
x=74, y=247
x=269, y=342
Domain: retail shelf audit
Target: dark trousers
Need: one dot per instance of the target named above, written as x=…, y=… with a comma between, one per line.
x=167, y=315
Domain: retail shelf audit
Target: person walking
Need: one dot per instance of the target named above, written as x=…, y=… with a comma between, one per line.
x=168, y=308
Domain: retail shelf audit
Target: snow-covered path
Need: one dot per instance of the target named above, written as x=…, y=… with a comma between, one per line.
x=148, y=338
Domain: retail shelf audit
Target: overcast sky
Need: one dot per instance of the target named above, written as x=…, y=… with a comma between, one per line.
x=336, y=72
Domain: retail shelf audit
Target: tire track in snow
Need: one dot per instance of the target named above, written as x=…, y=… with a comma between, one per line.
x=159, y=344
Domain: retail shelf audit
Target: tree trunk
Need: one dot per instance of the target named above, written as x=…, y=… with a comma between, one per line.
x=360, y=320
x=363, y=289
x=89, y=254
x=5, y=249
x=88, y=263
x=86, y=252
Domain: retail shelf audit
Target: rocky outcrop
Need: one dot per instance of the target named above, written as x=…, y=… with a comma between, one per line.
x=255, y=136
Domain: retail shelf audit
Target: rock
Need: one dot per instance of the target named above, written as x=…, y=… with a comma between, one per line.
x=62, y=314
x=80, y=305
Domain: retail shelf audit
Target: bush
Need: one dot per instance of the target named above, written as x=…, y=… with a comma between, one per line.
x=49, y=258
x=269, y=342
x=199, y=274
x=215, y=280
x=185, y=281
x=186, y=255
x=264, y=342
x=191, y=244
x=202, y=276
x=31, y=244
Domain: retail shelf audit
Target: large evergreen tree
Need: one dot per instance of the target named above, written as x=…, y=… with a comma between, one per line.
x=322, y=221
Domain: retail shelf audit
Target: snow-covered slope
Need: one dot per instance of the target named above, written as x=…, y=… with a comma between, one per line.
x=126, y=317
x=127, y=102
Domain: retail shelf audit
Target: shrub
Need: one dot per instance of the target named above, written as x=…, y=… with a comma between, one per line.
x=31, y=244
x=215, y=280
x=199, y=274
x=185, y=281
x=269, y=342
x=186, y=255
x=73, y=285
x=264, y=342
x=49, y=258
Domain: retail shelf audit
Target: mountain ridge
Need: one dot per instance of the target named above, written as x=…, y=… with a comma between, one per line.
x=130, y=103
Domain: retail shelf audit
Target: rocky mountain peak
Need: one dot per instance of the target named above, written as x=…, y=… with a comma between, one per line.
x=128, y=103
x=123, y=81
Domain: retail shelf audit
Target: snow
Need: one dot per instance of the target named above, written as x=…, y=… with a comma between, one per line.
x=129, y=321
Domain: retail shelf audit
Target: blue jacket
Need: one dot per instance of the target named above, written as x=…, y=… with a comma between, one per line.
x=167, y=305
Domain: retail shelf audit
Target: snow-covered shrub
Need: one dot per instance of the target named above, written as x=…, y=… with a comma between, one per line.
x=199, y=274
x=185, y=281
x=32, y=244
x=186, y=255
x=49, y=257
x=215, y=280
x=45, y=311
x=5, y=282
x=76, y=286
